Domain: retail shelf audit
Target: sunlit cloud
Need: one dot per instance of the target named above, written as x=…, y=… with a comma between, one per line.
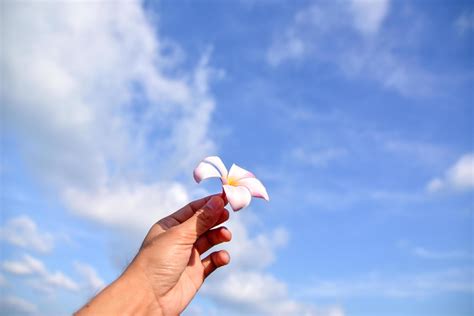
x=459, y=177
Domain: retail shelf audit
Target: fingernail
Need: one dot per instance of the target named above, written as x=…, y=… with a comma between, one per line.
x=214, y=203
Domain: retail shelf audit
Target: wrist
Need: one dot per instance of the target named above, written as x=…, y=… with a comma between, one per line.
x=128, y=295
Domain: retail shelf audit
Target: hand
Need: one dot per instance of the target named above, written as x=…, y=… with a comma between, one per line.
x=167, y=271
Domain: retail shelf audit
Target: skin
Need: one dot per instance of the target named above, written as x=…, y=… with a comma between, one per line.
x=168, y=270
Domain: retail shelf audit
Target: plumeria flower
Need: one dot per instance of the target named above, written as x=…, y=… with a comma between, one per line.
x=239, y=184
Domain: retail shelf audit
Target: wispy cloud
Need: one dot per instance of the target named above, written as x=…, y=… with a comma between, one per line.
x=465, y=22
x=22, y=231
x=14, y=305
x=28, y=265
x=422, y=152
x=39, y=276
x=441, y=255
x=351, y=37
x=368, y=15
x=317, y=158
x=91, y=279
x=425, y=284
x=3, y=280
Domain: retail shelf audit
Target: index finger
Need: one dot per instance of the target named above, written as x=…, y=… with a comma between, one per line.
x=188, y=210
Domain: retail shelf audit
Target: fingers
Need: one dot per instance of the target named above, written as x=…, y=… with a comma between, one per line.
x=224, y=217
x=187, y=211
x=215, y=260
x=211, y=238
x=203, y=219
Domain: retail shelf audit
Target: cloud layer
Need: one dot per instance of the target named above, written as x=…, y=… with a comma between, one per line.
x=107, y=111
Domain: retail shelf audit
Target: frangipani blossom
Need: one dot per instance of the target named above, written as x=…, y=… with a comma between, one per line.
x=239, y=184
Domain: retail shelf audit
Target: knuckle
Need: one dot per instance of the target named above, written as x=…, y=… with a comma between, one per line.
x=205, y=217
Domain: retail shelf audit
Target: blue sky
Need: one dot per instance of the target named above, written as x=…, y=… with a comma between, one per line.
x=357, y=116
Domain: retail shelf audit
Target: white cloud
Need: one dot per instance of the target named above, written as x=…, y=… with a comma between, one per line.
x=369, y=14
x=245, y=247
x=253, y=293
x=107, y=111
x=12, y=305
x=441, y=255
x=293, y=47
x=465, y=22
x=92, y=281
x=424, y=153
x=457, y=280
x=130, y=206
x=317, y=158
x=461, y=175
x=435, y=185
x=313, y=28
x=27, y=266
x=458, y=177
x=23, y=232
x=3, y=280
x=244, y=287
x=56, y=279
x=41, y=278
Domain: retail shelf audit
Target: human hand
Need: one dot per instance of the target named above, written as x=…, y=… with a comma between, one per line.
x=167, y=271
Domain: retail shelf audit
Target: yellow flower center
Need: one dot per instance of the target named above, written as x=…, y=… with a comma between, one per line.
x=232, y=182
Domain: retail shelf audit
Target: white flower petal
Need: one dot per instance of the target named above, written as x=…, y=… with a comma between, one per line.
x=210, y=167
x=238, y=197
x=256, y=188
x=237, y=173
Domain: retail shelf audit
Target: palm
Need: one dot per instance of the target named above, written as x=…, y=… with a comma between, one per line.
x=173, y=264
x=189, y=282
x=175, y=281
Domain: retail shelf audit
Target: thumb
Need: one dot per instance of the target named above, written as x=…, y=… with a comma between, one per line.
x=203, y=220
